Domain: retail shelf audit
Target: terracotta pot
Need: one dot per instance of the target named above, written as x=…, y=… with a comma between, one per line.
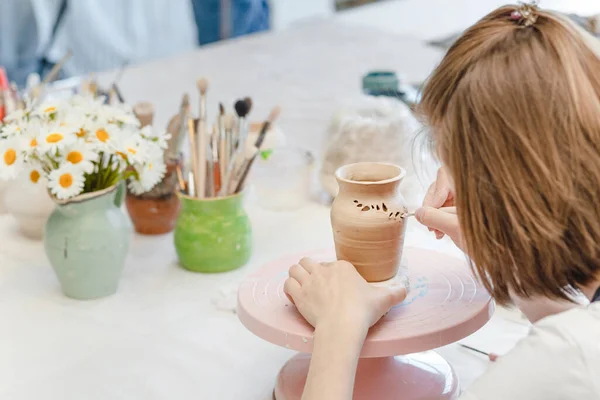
x=368, y=217
x=155, y=212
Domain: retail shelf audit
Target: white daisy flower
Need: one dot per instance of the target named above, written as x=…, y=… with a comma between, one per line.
x=49, y=109
x=16, y=116
x=53, y=138
x=149, y=175
x=34, y=175
x=11, y=159
x=12, y=129
x=82, y=155
x=66, y=181
x=158, y=137
x=131, y=147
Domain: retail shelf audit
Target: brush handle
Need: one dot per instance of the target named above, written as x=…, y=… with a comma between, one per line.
x=245, y=172
x=240, y=168
x=232, y=167
x=193, y=152
x=223, y=155
x=262, y=134
x=216, y=178
x=202, y=154
x=191, y=187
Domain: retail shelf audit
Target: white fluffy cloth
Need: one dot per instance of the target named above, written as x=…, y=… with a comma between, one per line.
x=380, y=129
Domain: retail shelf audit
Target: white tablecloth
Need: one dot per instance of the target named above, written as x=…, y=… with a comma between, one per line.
x=161, y=337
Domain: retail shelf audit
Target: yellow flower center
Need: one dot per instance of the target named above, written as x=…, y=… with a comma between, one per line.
x=150, y=167
x=131, y=150
x=102, y=135
x=33, y=142
x=63, y=124
x=65, y=180
x=50, y=110
x=10, y=156
x=81, y=133
x=54, y=138
x=34, y=176
x=75, y=157
x=123, y=155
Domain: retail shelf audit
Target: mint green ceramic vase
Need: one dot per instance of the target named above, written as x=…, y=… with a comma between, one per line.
x=86, y=240
x=213, y=235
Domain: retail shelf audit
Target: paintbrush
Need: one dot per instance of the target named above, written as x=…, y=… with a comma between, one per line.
x=194, y=173
x=242, y=109
x=227, y=145
x=180, y=180
x=191, y=188
x=115, y=89
x=36, y=91
x=261, y=137
x=451, y=210
x=491, y=356
x=177, y=128
x=266, y=125
x=144, y=112
x=202, y=132
x=215, y=186
x=240, y=169
x=53, y=74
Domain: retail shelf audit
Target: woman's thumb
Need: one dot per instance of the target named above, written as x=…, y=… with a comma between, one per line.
x=393, y=294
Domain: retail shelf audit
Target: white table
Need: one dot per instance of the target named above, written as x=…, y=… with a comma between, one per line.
x=160, y=337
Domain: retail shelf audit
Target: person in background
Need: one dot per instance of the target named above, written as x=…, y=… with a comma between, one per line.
x=514, y=110
x=18, y=39
x=107, y=34
x=225, y=19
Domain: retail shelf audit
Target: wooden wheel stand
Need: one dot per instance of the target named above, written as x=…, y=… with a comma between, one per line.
x=445, y=304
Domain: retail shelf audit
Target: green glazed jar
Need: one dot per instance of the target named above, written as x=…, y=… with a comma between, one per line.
x=213, y=235
x=86, y=240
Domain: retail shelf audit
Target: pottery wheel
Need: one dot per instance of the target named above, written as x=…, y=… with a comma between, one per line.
x=444, y=304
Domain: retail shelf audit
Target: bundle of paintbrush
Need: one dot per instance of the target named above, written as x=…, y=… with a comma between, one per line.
x=221, y=155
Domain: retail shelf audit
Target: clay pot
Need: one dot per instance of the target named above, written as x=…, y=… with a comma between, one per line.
x=156, y=212
x=368, y=217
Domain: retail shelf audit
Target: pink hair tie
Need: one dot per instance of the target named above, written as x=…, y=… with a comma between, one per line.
x=526, y=14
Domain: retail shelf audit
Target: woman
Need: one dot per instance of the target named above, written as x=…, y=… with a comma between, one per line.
x=514, y=108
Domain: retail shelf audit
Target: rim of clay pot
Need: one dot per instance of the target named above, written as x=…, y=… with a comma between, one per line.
x=342, y=172
x=188, y=197
x=85, y=196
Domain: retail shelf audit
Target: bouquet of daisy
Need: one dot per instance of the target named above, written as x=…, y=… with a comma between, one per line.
x=81, y=145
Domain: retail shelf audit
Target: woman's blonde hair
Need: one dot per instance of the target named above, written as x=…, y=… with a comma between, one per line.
x=515, y=111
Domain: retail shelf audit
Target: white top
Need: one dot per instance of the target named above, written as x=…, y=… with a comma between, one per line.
x=560, y=359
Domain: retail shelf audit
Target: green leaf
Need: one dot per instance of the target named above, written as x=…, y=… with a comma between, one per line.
x=265, y=154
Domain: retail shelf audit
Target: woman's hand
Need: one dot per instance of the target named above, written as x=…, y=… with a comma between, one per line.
x=442, y=221
x=334, y=294
x=439, y=194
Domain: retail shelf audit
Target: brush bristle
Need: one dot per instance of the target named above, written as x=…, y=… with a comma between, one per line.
x=241, y=108
x=202, y=84
x=185, y=101
x=228, y=122
x=221, y=109
x=248, y=101
x=274, y=114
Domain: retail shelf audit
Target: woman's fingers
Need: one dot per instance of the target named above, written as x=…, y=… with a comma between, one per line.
x=292, y=289
x=446, y=222
x=309, y=264
x=299, y=273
